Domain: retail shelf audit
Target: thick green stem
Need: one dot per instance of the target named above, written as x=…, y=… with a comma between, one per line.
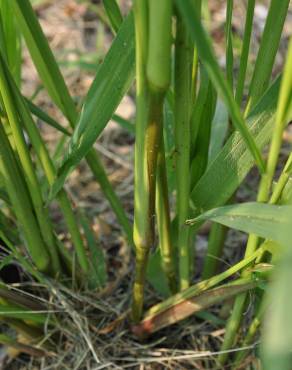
x=152, y=143
x=183, y=98
x=153, y=70
x=140, y=201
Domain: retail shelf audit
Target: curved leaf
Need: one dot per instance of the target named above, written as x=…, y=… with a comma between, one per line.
x=265, y=220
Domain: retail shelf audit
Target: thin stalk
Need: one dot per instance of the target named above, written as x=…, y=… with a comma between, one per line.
x=218, y=232
x=28, y=168
x=20, y=200
x=203, y=285
x=267, y=51
x=245, y=51
x=196, y=59
x=192, y=305
x=215, y=245
x=25, y=263
x=53, y=80
x=183, y=97
x=281, y=183
x=229, y=47
x=141, y=202
x=50, y=172
x=253, y=328
x=163, y=221
x=283, y=109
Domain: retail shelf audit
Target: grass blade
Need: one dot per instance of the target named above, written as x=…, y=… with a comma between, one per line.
x=52, y=78
x=267, y=52
x=114, y=14
x=11, y=41
x=22, y=204
x=234, y=161
x=113, y=79
x=229, y=43
x=245, y=51
x=265, y=220
x=206, y=53
x=30, y=177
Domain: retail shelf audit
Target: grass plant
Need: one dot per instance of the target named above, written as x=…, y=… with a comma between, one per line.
x=162, y=50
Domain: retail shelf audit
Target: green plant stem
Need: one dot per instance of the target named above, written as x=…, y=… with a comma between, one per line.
x=196, y=59
x=282, y=116
x=245, y=51
x=183, y=97
x=267, y=51
x=28, y=168
x=203, y=285
x=140, y=201
x=163, y=221
x=52, y=79
x=10, y=40
x=215, y=246
x=152, y=139
x=252, y=330
x=229, y=47
x=19, y=197
x=192, y=305
x=206, y=53
x=281, y=183
x=156, y=74
x=275, y=197
x=49, y=169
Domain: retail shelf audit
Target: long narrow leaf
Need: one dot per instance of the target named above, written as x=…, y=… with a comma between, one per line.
x=234, y=161
x=188, y=10
x=265, y=220
x=113, y=79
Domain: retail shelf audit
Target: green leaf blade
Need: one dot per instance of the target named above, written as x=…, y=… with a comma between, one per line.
x=113, y=79
x=234, y=161
x=206, y=53
x=265, y=220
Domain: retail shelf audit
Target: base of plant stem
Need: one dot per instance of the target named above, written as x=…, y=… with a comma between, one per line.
x=139, y=283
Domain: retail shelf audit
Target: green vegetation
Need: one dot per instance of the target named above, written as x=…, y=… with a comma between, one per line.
x=184, y=175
